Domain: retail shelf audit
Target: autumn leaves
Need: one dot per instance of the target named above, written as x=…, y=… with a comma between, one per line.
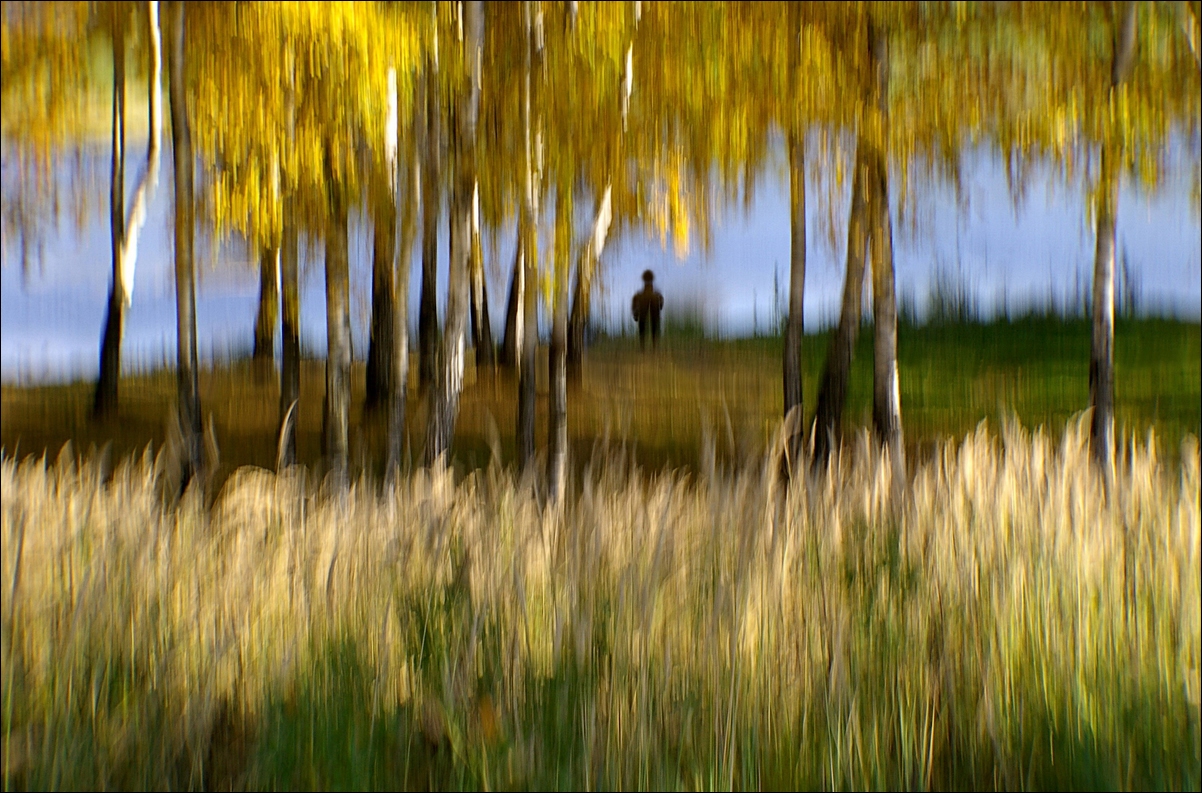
x=589, y=120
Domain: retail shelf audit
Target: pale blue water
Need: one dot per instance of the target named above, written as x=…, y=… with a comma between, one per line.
x=1007, y=258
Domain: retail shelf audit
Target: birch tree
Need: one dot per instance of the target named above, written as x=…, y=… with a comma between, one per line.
x=409, y=180
x=126, y=230
x=590, y=254
x=528, y=242
x=860, y=37
x=382, y=207
x=1116, y=81
x=187, y=367
x=444, y=405
x=427, y=328
x=295, y=100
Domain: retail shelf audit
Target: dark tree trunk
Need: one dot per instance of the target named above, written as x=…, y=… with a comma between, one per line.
x=511, y=348
x=187, y=369
x=578, y=319
x=427, y=318
x=289, y=310
x=794, y=407
x=836, y=374
x=486, y=351
x=529, y=226
x=383, y=288
x=336, y=416
x=448, y=382
x=886, y=394
x=400, y=332
x=105, y=402
x=1101, y=349
x=486, y=348
x=106, y=398
x=527, y=394
x=267, y=318
x=444, y=408
x=126, y=228
x=290, y=344
x=557, y=427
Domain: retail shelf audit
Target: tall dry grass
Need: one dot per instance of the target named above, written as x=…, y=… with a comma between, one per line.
x=1007, y=624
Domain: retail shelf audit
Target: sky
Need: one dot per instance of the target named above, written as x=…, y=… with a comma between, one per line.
x=1003, y=254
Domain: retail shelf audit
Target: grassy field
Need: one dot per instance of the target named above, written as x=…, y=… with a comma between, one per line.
x=666, y=405
x=1005, y=626
x=683, y=621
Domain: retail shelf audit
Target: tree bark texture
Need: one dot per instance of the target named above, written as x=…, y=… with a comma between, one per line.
x=578, y=320
x=267, y=318
x=527, y=395
x=1101, y=348
x=886, y=393
x=444, y=408
x=383, y=304
x=105, y=402
x=794, y=406
x=482, y=340
x=586, y=270
x=139, y=207
x=557, y=427
x=380, y=353
x=128, y=229
x=427, y=318
x=289, y=310
x=398, y=393
x=290, y=345
x=529, y=249
x=336, y=416
x=448, y=380
x=836, y=373
x=187, y=369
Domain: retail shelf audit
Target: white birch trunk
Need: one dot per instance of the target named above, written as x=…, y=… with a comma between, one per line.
x=136, y=218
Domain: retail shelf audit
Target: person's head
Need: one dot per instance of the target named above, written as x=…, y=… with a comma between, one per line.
x=648, y=277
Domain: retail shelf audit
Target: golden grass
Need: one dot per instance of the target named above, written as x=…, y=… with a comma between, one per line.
x=1006, y=625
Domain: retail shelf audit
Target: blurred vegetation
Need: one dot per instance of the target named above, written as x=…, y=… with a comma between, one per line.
x=666, y=405
x=1009, y=627
x=672, y=612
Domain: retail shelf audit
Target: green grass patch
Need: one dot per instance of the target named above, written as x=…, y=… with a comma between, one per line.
x=673, y=406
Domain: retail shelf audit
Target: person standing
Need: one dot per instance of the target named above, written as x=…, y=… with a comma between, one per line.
x=646, y=307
